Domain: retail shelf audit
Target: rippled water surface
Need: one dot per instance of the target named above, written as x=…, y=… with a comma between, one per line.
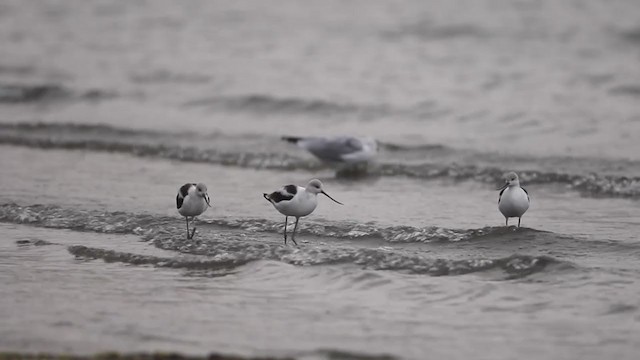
x=106, y=108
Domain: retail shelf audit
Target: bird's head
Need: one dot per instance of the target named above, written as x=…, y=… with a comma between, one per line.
x=510, y=179
x=315, y=187
x=201, y=190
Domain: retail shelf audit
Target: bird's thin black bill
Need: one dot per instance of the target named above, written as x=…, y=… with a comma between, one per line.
x=327, y=195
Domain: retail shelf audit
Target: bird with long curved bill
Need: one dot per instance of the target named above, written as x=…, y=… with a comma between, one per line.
x=192, y=200
x=513, y=200
x=297, y=201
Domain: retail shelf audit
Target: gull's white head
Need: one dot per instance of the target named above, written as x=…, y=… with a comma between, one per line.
x=201, y=191
x=368, y=148
x=315, y=187
x=510, y=179
x=370, y=144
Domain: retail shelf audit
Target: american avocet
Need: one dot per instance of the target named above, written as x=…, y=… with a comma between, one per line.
x=513, y=200
x=339, y=149
x=296, y=201
x=192, y=200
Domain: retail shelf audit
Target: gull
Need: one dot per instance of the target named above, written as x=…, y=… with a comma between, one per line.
x=339, y=149
x=513, y=200
x=296, y=201
x=192, y=200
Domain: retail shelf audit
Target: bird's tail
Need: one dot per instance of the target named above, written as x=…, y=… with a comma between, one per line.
x=291, y=139
x=266, y=196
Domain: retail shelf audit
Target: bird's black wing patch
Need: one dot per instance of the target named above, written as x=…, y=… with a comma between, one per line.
x=526, y=192
x=278, y=196
x=500, y=196
x=184, y=189
x=286, y=193
x=182, y=193
x=291, y=189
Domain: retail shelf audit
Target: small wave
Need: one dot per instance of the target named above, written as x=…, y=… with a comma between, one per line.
x=36, y=128
x=34, y=242
x=620, y=308
x=10, y=93
x=169, y=77
x=266, y=104
x=426, y=30
x=392, y=234
x=19, y=93
x=229, y=256
x=631, y=35
x=628, y=90
x=404, y=148
x=138, y=356
x=330, y=354
x=192, y=263
x=515, y=266
x=76, y=219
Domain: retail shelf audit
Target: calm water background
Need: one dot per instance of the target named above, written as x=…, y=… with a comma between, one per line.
x=106, y=108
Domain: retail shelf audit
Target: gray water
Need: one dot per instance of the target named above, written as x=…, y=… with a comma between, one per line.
x=106, y=108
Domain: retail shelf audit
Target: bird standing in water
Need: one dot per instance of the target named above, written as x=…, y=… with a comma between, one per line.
x=513, y=200
x=296, y=201
x=192, y=200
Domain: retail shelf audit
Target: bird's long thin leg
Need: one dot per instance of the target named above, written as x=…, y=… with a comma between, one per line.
x=293, y=236
x=506, y=221
x=286, y=219
x=520, y=218
x=194, y=226
x=187, y=219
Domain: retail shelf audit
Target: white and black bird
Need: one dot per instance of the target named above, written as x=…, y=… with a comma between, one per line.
x=293, y=200
x=339, y=149
x=192, y=200
x=513, y=200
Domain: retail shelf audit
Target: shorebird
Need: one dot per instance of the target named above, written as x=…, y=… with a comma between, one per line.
x=339, y=149
x=296, y=201
x=513, y=200
x=192, y=200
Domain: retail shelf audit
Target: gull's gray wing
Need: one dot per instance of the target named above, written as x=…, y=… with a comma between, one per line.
x=331, y=149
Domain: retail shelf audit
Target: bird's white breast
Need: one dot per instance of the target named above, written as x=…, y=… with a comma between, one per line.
x=193, y=205
x=514, y=202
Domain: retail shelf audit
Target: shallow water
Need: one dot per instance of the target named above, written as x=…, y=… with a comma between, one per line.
x=107, y=108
